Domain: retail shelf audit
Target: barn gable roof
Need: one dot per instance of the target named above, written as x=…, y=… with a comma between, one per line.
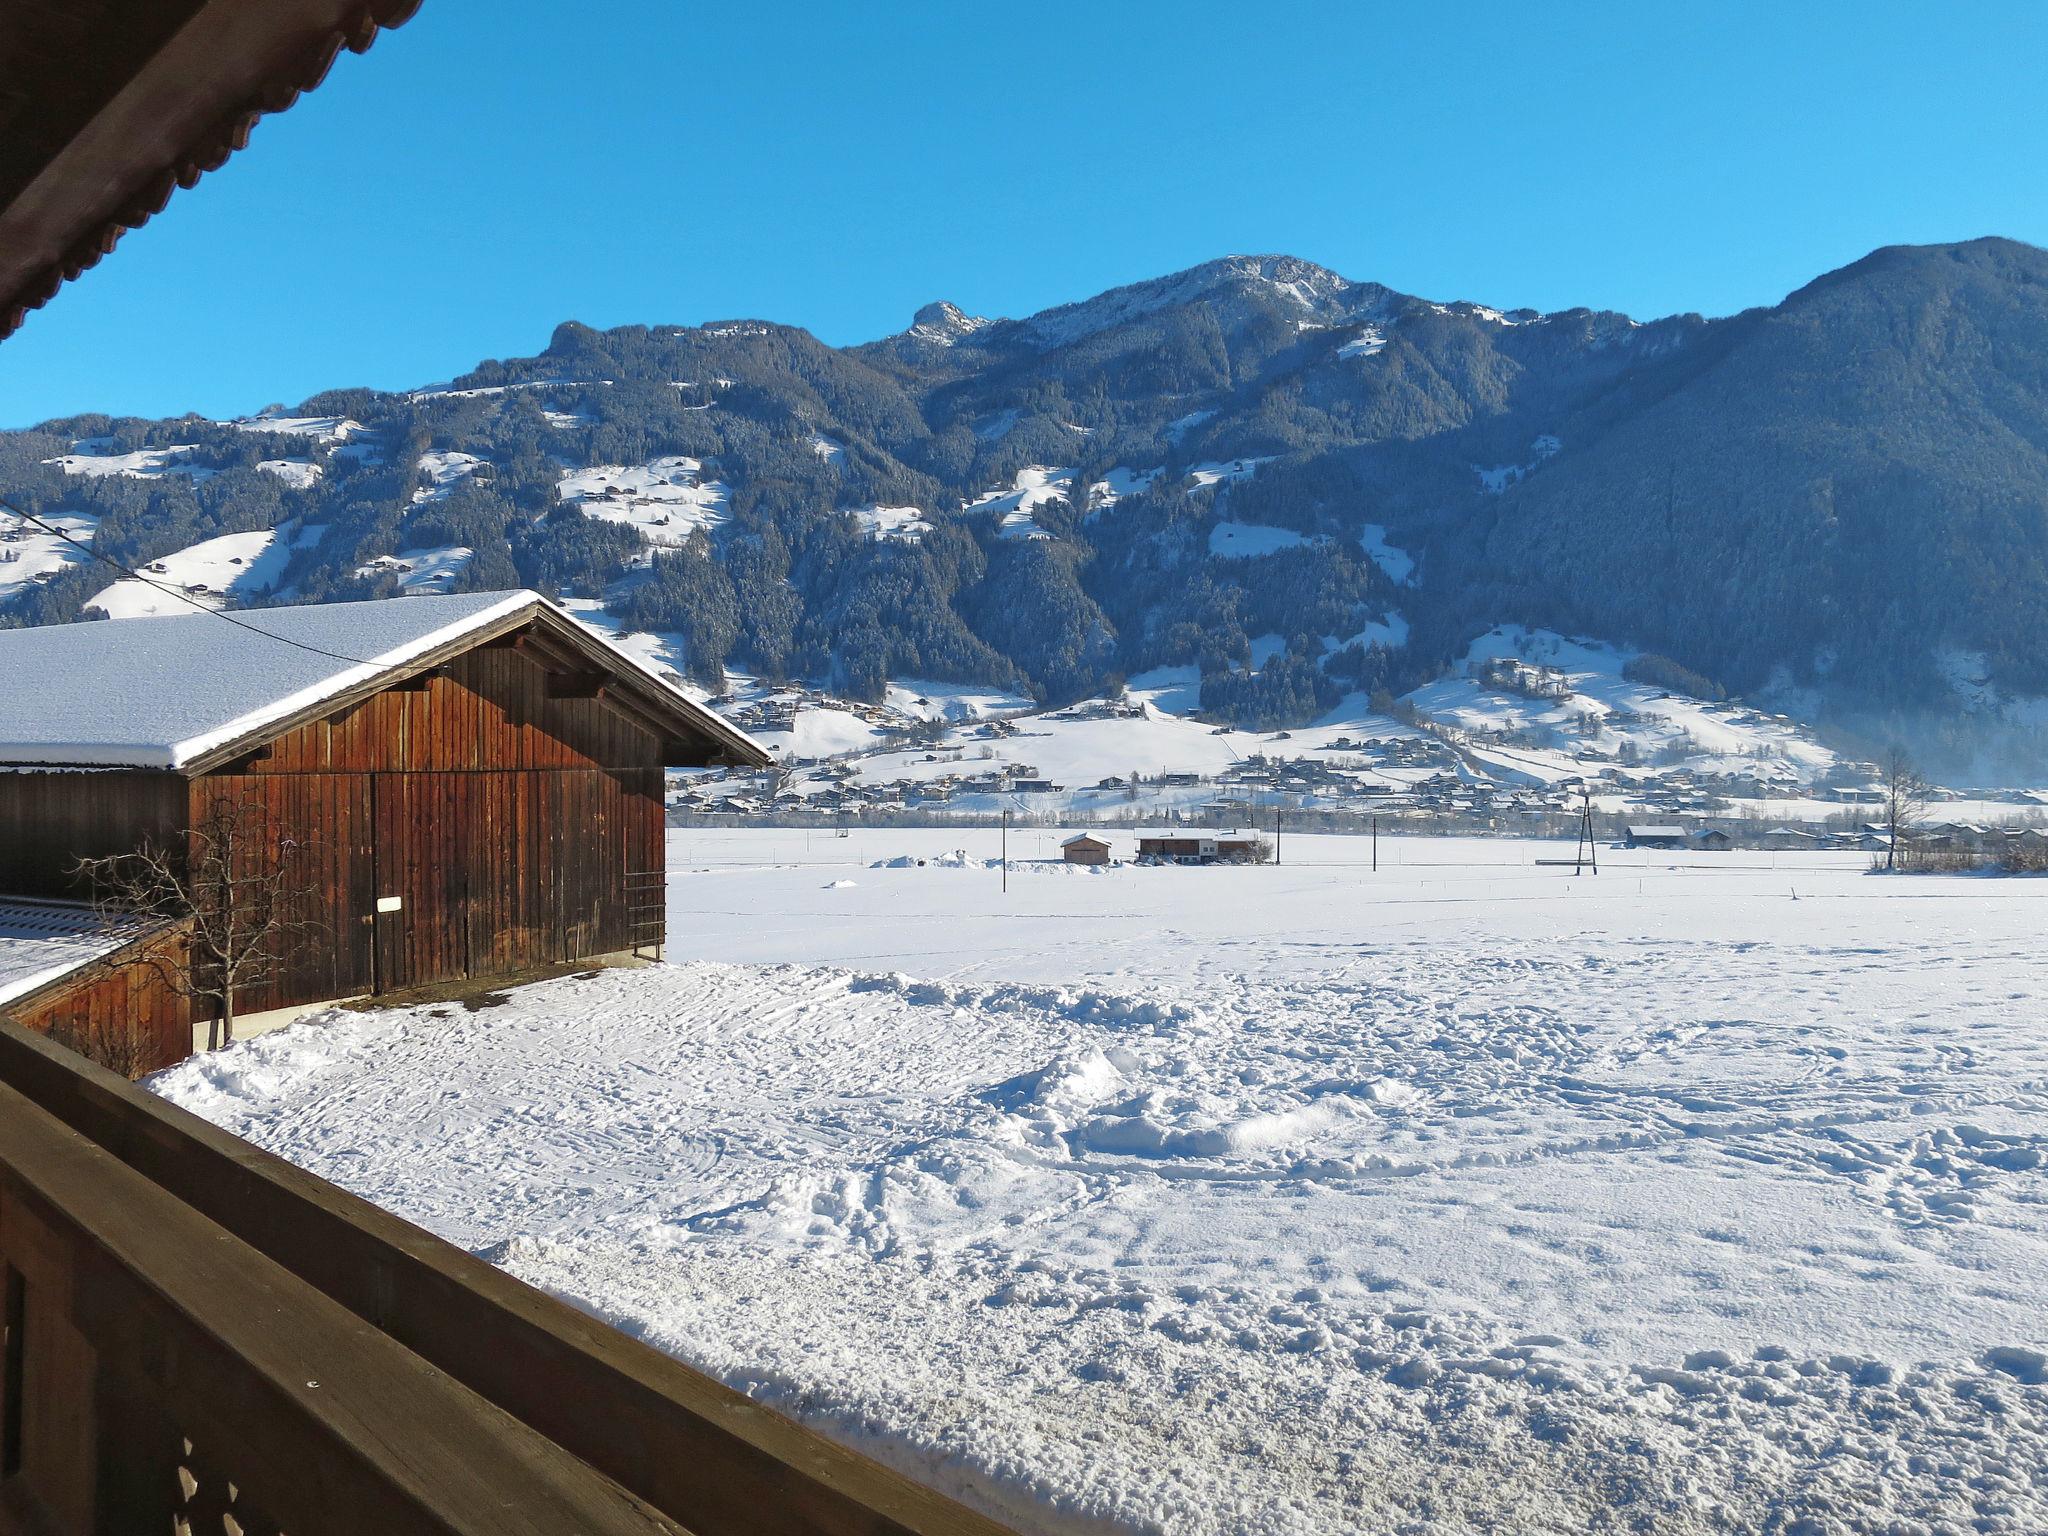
x=189, y=692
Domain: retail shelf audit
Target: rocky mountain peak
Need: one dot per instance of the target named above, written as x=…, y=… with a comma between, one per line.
x=944, y=323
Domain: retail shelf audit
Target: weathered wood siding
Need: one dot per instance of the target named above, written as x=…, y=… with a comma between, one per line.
x=50, y=820
x=330, y=813
x=489, y=709
x=119, y=1011
x=503, y=821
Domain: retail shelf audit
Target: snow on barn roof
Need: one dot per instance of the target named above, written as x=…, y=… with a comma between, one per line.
x=43, y=940
x=1636, y=831
x=165, y=692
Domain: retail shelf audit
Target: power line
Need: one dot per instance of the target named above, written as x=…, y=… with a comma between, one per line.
x=183, y=597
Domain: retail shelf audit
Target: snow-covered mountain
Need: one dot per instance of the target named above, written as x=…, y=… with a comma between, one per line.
x=1303, y=487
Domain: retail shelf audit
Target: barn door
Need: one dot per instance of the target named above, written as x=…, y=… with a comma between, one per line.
x=422, y=879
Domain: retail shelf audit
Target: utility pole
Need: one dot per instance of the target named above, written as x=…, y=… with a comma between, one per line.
x=1277, y=813
x=1375, y=845
x=1006, y=851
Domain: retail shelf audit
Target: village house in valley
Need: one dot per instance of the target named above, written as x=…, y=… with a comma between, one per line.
x=1199, y=847
x=471, y=786
x=1645, y=836
x=1085, y=848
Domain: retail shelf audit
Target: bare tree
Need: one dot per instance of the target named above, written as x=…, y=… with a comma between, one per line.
x=238, y=886
x=1905, y=801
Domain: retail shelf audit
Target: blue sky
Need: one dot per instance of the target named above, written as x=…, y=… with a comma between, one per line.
x=493, y=168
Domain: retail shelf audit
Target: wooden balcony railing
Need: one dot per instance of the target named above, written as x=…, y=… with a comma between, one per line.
x=199, y=1337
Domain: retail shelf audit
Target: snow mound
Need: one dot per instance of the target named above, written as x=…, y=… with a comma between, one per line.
x=955, y=859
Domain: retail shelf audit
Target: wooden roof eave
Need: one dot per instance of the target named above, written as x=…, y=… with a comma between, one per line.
x=107, y=109
x=660, y=700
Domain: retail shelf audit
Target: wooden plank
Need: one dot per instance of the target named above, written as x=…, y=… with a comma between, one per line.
x=111, y=107
x=329, y=1424
x=49, y=1382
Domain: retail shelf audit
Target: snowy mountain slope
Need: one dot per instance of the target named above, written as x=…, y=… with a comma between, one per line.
x=1301, y=289
x=299, y=474
x=212, y=574
x=420, y=570
x=1034, y=486
x=666, y=500
x=30, y=555
x=142, y=464
x=325, y=430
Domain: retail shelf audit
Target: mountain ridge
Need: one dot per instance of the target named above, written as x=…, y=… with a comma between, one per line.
x=1836, y=501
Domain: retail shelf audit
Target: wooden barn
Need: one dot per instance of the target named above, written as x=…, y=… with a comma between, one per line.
x=471, y=785
x=1085, y=848
x=1642, y=836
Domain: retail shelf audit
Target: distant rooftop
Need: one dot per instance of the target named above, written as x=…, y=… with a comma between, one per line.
x=43, y=940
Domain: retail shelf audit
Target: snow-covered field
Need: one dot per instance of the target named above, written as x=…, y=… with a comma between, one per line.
x=1014, y=505
x=143, y=464
x=441, y=472
x=321, y=429
x=906, y=523
x=1708, y=1194
x=299, y=474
